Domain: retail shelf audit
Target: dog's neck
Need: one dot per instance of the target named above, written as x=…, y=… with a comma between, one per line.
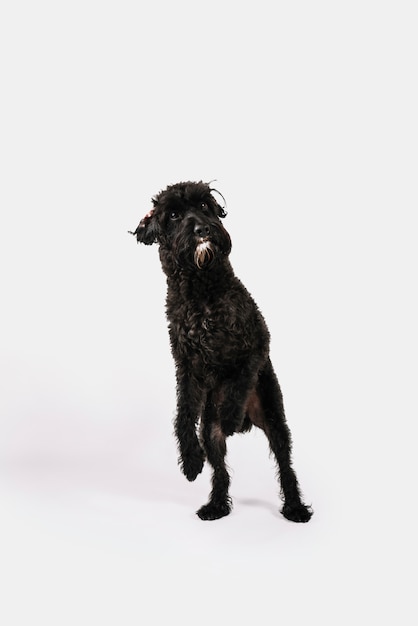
x=205, y=281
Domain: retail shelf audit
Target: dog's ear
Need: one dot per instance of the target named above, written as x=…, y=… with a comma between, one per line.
x=220, y=211
x=147, y=229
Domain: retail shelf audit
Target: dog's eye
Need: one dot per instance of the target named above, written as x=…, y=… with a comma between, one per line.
x=204, y=206
x=174, y=215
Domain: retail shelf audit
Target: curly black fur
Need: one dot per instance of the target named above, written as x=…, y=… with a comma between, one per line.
x=220, y=345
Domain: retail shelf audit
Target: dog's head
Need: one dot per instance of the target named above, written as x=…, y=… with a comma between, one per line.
x=185, y=222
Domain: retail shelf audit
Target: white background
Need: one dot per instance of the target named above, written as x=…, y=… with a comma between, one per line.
x=305, y=113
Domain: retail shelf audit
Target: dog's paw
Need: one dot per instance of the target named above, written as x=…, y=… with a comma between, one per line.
x=192, y=464
x=297, y=513
x=212, y=510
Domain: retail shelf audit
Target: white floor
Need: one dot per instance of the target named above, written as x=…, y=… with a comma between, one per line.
x=114, y=540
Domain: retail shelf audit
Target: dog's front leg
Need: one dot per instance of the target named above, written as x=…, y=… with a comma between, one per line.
x=192, y=456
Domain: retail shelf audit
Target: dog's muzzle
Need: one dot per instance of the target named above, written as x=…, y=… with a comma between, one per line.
x=204, y=252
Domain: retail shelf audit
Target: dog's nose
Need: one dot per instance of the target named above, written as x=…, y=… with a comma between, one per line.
x=201, y=230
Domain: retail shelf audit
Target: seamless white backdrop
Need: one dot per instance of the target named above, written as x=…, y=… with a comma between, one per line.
x=305, y=114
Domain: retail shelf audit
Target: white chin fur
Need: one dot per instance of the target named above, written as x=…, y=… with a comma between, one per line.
x=203, y=253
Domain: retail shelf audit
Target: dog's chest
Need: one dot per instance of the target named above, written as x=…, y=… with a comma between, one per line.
x=200, y=331
x=214, y=327
x=192, y=324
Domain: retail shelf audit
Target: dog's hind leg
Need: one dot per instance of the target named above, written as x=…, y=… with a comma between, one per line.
x=214, y=441
x=266, y=410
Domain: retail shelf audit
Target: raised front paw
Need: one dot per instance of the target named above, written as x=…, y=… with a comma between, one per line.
x=192, y=463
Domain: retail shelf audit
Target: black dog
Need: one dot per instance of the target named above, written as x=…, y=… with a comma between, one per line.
x=220, y=345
